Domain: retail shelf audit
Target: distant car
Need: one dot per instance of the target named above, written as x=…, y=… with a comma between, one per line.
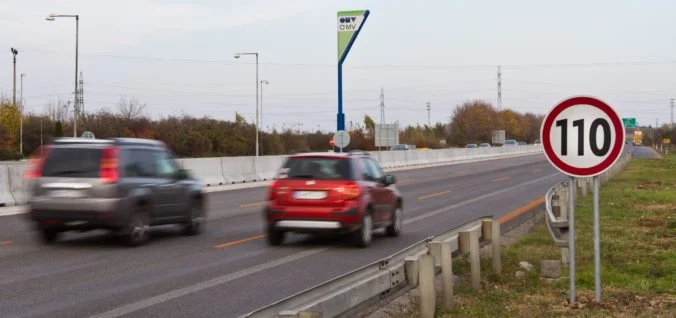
x=522, y=143
x=339, y=192
x=471, y=146
x=537, y=142
x=510, y=142
x=124, y=185
x=485, y=145
x=400, y=147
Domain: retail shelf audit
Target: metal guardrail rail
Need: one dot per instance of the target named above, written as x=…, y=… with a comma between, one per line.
x=339, y=295
x=557, y=205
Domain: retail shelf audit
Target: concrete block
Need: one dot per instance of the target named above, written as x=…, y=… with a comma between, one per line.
x=550, y=269
x=6, y=198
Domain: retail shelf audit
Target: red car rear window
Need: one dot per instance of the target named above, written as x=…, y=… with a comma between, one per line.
x=319, y=168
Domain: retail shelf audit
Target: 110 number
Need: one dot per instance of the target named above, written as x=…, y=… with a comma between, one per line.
x=599, y=122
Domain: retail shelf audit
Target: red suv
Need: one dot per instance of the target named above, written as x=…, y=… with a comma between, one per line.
x=333, y=192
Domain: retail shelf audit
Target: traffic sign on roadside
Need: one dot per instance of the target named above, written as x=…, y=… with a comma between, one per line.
x=341, y=139
x=88, y=135
x=629, y=122
x=582, y=136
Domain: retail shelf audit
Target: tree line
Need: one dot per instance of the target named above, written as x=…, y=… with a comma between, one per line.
x=189, y=136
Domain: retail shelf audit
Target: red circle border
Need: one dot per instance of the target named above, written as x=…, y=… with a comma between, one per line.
x=617, y=148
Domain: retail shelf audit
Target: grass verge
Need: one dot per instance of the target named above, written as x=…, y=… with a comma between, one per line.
x=638, y=257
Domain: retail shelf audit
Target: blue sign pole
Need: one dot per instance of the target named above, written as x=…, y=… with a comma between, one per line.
x=346, y=23
x=341, y=115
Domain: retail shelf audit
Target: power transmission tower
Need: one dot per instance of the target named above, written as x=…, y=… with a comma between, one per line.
x=429, y=119
x=672, y=113
x=81, y=94
x=499, y=89
x=382, y=106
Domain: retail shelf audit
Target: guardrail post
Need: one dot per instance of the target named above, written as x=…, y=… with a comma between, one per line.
x=582, y=183
x=469, y=242
x=491, y=232
x=412, y=269
x=426, y=286
x=475, y=258
x=447, y=274
x=435, y=252
x=563, y=202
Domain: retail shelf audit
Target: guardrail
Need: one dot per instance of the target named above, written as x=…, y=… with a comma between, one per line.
x=230, y=170
x=556, y=200
x=414, y=266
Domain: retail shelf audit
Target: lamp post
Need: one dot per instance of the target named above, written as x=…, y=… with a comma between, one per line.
x=53, y=17
x=14, y=53
x=238, y=55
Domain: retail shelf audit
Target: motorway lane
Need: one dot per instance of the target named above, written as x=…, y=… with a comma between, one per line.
x=90, y=274
x=644, y=152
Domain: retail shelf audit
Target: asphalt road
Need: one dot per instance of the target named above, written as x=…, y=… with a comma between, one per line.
x=230, y=270
x=644, y=152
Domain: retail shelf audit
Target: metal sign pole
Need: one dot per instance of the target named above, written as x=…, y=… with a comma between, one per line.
x=597, y=243
x=571, y=237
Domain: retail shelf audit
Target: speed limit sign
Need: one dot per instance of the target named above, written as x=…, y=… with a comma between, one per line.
x=582, y=136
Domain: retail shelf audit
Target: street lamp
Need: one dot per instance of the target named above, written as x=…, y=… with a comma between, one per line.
x=238, y=55
x=53, y=17
x=14, y=53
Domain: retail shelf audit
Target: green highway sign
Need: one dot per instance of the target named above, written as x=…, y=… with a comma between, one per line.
x=629, y=122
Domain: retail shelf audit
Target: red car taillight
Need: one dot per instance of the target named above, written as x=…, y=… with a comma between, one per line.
x=34, y=170
x=350, y=191
x=109, y=165
x=273, y=191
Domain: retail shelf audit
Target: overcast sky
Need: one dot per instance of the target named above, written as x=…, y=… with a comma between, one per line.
x=177, y=56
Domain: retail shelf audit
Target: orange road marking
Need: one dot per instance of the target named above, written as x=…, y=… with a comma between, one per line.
x=511, y=215
x=233, y=243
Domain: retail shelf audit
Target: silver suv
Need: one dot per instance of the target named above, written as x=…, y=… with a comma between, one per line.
x=124, y=185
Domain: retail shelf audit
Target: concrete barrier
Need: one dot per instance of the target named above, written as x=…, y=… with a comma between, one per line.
x=17, y=184
x=208, y=169
x=6, y=198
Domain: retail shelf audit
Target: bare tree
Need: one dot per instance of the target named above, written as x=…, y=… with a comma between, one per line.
x=59, y=111
x=130, y=109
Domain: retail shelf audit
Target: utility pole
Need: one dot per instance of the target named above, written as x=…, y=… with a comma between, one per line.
x=14, y=53
x=499, y=89
x=429, y=119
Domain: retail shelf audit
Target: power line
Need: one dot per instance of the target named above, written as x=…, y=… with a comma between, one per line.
x=368, y=66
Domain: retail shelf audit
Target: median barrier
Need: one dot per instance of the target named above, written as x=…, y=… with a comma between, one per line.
x=17, y=184
x=6, y=198
x=268, y=166
x=239, y=169
x=413, y=267
x=207, y=169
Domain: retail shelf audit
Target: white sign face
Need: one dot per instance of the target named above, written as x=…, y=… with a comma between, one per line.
x=582, y=136
x=349, y=23
x=88, y=135
x=341, y=138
